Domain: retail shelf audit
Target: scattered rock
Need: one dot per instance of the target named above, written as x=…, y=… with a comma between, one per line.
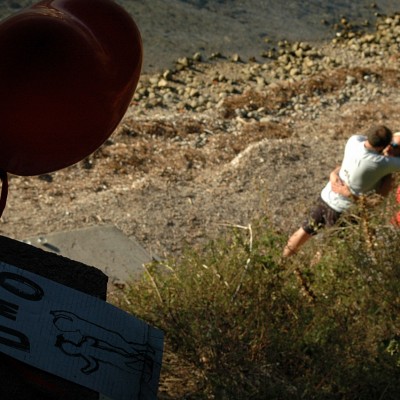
x=213, y=143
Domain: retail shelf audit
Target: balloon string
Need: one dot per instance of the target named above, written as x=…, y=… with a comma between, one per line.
x=4, y=190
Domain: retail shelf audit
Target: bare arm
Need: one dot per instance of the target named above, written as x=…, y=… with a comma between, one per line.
x=338, y=186
x=386, y=185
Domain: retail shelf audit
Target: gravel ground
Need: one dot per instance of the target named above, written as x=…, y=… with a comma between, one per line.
x=213, y=143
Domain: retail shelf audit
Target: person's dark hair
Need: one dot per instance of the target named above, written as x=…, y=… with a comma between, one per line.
x=379, y=136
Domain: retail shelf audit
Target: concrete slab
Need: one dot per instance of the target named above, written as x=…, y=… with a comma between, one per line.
x=104, y=247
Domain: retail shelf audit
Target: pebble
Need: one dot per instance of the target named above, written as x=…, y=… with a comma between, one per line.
x=196, y=85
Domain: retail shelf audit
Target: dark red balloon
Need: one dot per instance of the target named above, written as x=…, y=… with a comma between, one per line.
x=68, y=70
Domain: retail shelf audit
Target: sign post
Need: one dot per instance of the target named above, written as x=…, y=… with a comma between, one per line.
x=70, y=334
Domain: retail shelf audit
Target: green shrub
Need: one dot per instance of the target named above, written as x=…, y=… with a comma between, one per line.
x=321, y=325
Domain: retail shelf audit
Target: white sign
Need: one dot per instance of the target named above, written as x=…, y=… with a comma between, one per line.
x=77, y=337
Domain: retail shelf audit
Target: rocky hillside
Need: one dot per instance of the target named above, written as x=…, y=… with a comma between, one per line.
x=217, y=142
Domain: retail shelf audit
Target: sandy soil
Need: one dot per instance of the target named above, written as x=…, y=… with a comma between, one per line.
x=172, y=178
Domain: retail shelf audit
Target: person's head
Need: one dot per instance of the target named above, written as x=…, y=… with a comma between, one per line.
x=379, y=137
x=393, y=150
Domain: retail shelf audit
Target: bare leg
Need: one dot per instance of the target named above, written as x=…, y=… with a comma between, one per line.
x=295, y=241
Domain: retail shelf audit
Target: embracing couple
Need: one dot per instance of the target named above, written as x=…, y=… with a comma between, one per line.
x=368, y=163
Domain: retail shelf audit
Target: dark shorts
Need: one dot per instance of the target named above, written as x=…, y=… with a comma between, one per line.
x=320, y=215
